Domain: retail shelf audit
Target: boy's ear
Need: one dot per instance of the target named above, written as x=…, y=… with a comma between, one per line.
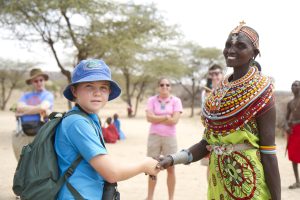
x=73, y=90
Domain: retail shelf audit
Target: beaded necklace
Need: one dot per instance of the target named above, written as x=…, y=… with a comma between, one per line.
x=163, y=103
x=233, y=104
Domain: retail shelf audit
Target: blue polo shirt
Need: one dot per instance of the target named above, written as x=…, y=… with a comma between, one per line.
x=74, y=136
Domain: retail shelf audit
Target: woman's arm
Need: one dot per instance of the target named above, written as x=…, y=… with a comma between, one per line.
x=172, y=119
x=113, y=171
x=198, y=151
x=151, y=117
x=266, y=126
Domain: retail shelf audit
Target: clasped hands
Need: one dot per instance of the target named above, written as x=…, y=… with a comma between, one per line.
x=162, y=162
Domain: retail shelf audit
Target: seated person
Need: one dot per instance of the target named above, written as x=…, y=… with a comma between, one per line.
x=117, y=124
x=110, y=133
x=33, y=108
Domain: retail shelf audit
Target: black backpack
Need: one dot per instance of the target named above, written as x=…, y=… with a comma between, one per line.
x=37, y=175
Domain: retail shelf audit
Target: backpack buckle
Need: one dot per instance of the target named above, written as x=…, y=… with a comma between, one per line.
x=69, y=172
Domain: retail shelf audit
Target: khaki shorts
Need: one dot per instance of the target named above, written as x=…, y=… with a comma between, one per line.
x=18, y=141
x=161, y=145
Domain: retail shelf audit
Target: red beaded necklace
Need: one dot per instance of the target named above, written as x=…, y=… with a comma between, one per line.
x=234, y=103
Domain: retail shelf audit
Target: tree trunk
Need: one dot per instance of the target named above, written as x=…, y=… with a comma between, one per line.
x=127, y=92
x=2, y=92
x=66, y=73
x=139, y=96
x=13, y=85
x=193, y=98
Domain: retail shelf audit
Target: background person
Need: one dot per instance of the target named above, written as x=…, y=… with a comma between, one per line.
x=110, y=132
x=163, y=112
x=293, y=131
x=215, y=76
x=32, y=109
x=117, y=124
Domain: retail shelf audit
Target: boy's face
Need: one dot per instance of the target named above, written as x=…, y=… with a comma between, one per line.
x=91, y=96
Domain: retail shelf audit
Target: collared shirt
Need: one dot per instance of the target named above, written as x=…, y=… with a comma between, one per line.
x=163, y=107
x=74, y=136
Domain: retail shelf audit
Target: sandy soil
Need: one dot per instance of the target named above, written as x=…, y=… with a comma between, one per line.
x=191, y=180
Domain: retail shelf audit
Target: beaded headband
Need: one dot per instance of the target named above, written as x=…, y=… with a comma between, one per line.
x=249, y=32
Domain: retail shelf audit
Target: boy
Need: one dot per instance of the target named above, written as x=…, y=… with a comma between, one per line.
x=90, y=89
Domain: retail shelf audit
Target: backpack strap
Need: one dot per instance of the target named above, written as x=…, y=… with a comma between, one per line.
x=85, y=114
x=69, y=173
x=79, y=158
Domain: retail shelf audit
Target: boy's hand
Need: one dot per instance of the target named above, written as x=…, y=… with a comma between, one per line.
x=150, y=166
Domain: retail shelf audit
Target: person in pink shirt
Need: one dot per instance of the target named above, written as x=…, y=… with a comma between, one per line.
x=163, y=112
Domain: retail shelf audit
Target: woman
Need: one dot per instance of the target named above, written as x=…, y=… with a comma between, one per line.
x=163, y=112
x=239, y=118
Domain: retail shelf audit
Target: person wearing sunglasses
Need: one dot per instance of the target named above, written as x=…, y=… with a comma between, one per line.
x=163, y=112
x=32, y=109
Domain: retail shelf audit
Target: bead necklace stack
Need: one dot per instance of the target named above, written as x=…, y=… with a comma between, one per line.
x=233, y=104
x=163, y=103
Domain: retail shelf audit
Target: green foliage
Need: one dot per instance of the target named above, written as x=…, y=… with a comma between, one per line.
x=197, y=60
x=11, y=77
x=133, y=39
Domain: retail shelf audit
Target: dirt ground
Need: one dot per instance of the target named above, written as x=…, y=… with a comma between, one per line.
x=191, y=180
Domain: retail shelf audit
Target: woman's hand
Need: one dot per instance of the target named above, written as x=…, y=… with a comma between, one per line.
x=165, y=162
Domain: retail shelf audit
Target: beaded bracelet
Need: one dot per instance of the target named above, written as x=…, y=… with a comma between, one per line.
x=267, y=149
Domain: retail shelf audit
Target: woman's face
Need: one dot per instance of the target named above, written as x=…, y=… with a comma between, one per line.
x=238, y=50
x=164, y=87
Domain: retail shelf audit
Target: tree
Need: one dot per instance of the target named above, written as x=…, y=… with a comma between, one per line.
x=137, y=39
x=50, y=22
x=197, y=59
x=11, y=74
x=163, y=63
x=122, y=34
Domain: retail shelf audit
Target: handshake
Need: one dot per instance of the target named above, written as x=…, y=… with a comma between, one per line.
x=163, y=162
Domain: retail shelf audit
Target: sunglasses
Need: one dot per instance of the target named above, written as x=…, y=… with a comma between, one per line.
x=162, y=85
x=214, y=73
x=38, y=80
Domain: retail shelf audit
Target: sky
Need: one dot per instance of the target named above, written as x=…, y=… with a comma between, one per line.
x=208, y=23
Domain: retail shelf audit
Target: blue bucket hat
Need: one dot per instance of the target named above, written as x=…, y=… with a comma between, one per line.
x=89, y=71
